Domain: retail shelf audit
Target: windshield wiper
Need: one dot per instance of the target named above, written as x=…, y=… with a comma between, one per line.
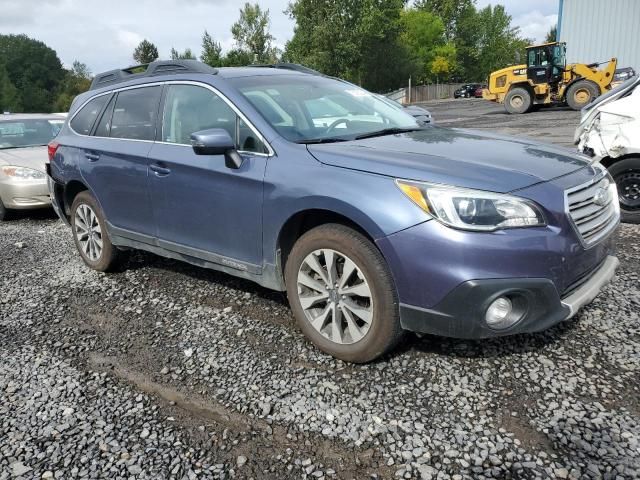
x=387, y=131
x=322, y=140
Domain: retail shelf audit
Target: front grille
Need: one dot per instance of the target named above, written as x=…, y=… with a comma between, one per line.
x=591, y=218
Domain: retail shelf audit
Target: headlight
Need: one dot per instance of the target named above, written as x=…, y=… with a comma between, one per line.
x=22, y=173
x=472, y=209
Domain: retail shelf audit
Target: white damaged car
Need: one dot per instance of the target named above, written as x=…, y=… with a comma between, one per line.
x=609, y=132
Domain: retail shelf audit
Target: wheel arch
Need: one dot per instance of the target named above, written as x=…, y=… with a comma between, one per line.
x=608, y=161
x=71, y=190
x=526, y=85
x=304, y=220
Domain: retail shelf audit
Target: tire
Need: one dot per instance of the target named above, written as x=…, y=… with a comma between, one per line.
x=85, y=211
x=518, y=100
x=582, y=93
x=354, y=340
x=3, y=211
x=626, y=174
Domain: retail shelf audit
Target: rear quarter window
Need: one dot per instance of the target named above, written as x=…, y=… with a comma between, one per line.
x=83, y=121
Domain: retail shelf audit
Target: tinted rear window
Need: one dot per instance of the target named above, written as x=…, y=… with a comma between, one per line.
x=83, y=121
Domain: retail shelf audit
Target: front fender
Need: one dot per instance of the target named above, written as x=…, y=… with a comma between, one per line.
x=296, y=182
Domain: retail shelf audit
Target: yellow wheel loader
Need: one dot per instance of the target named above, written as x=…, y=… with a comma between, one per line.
x=546, y=79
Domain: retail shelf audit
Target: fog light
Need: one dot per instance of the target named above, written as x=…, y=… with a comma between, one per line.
x=499, y=314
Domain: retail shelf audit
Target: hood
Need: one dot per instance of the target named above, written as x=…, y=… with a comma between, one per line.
x=28, y=157
x=463, y=158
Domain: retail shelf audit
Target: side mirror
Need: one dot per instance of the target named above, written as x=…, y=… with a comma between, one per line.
x=216, y=141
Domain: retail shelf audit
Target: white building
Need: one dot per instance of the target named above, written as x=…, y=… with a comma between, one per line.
x=597, y=30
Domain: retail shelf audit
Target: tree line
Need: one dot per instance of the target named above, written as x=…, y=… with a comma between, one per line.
x=32, y=78
x=377, y=44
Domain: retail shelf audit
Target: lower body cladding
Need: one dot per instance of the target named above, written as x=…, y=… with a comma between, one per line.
x=19, y=196
x=478, y=285
x=56, y=191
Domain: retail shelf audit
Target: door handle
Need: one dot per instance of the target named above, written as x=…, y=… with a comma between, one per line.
x=160, y=171
x=92, y=157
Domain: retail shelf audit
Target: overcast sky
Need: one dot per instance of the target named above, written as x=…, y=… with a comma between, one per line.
x=103, y=34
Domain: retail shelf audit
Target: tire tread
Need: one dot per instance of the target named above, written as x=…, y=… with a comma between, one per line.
x=333, y=232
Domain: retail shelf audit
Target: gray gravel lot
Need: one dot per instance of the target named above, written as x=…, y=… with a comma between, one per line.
x=552, y=125
x=165, y=370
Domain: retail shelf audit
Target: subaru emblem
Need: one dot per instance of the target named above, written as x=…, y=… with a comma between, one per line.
x=601, y=197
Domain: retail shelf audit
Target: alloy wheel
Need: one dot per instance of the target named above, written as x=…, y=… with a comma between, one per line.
x=88, y=232
x=335, y=296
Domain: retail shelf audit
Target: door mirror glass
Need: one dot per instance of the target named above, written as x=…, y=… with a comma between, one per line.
x=214, y=141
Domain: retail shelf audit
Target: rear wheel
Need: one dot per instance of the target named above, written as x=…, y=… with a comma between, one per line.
x=626, y=174
x=582, y=93
x=342, y=294
x=518, y=100
x=3, y=211
x=90, y=233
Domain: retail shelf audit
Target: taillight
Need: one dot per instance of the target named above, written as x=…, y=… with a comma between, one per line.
x=52, y=148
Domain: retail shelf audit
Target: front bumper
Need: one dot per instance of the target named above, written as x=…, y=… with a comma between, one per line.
x=461, y=313
x=585, y=293
x=487, y=95
x=20, y=196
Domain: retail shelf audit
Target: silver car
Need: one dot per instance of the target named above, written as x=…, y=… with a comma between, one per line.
x=421, y=114
x=23, y=155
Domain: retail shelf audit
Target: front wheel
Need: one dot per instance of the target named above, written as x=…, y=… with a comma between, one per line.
x=90, y=234
x=626, y=174
x=582, y=93
x=342, y=294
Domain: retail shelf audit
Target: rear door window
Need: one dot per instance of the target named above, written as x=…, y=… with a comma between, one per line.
x=83, y=121
x=135, y=114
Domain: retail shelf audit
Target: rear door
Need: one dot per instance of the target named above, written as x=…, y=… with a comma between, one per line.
x=203, y=208
x=116, y=164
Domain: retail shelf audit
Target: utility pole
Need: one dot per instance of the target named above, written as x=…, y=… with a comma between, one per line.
x=409, y=95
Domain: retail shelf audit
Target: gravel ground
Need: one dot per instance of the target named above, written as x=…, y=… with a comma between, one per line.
x=165, y=370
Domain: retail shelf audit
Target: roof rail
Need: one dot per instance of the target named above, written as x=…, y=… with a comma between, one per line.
x=159, y=67
x=289, y=66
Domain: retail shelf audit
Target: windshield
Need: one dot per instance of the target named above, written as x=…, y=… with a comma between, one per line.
x=28, y=133
x=306, y=108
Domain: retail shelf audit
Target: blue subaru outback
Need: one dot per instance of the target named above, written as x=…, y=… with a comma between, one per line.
x=372, y=223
